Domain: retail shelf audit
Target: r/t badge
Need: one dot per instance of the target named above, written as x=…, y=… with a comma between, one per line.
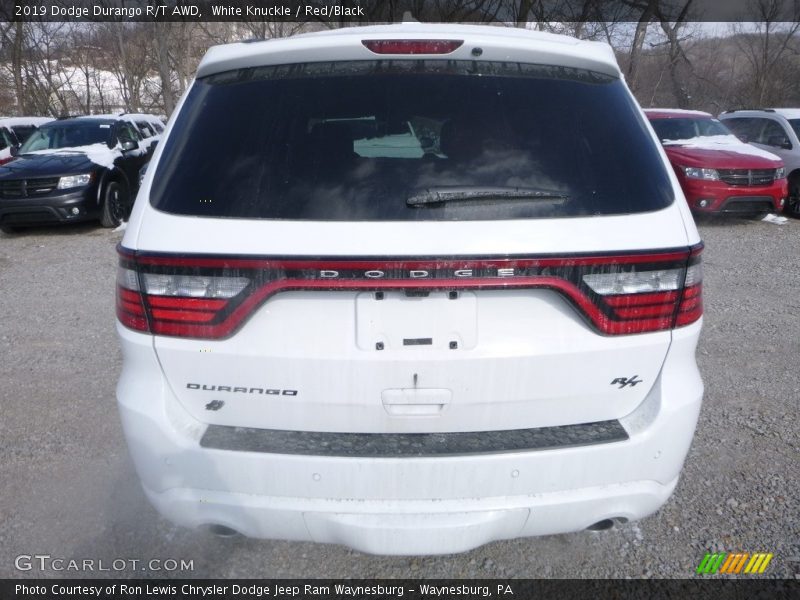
x=625, y=381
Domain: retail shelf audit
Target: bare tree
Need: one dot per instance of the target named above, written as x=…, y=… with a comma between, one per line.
x=16, y=66
x=41, y=66
x=766, y=46
x=56, y=68
x=125, y=53
x=647, y=10
x=585, y=19
x=161, y=33
x=676, y=55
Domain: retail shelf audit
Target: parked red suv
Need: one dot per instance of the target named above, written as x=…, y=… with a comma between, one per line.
x=718, y=172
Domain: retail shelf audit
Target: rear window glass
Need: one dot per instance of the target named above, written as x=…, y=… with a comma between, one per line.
x=388, y=140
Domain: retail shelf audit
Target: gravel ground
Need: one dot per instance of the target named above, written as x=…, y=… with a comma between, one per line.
x=69, y=489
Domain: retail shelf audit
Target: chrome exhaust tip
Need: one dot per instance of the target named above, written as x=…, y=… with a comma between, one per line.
x=603, y=525
x=221, y=530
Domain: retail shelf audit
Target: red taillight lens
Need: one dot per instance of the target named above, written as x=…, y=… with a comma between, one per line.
x=170, y=301
x=412, y=46
x=130, y=311
x=210, y=297
x=644, y=298
x=691, y=306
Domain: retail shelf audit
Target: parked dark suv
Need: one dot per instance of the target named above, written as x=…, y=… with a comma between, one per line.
x=73, y=170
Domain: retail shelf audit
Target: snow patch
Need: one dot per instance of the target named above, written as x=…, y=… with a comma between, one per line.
x=677, y=111
x=721, y=142
x=14, y=121
x=789, y=113
x=776, y=219
x=99, y=154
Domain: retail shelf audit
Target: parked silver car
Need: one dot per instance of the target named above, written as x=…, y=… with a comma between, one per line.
x=778, y=131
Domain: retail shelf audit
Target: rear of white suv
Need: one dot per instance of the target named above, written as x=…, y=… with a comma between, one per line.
x=410, y=289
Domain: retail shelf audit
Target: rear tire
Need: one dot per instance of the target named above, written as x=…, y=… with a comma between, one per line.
x=792, y=207
x=115, y=205
x=9, y=229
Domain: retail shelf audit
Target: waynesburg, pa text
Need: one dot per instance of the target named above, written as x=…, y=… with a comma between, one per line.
x=255, y=590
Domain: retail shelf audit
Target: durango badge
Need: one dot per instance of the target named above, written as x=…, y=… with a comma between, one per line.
x=241, y=390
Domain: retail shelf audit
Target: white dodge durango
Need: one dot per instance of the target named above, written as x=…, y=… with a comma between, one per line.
x=412, y=289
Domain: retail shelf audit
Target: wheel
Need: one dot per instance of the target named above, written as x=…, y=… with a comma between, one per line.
x=115, y=205
x=793, y=201
x=9, y=229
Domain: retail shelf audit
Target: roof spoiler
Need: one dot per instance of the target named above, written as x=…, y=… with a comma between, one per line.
x=733, y=110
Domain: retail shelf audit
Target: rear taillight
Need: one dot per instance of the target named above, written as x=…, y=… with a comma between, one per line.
x=211, y=297
x=173, y=303
x=646, y=299
x=130, y=310
x=412, y=46
x=690, y=308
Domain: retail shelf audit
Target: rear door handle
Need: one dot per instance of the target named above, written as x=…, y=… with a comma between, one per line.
x=415, y=402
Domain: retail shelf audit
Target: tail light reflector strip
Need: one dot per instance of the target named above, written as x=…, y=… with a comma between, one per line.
x=211, y=297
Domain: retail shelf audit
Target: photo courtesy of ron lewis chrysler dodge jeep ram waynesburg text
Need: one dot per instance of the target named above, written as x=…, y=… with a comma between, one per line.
x=446, y=290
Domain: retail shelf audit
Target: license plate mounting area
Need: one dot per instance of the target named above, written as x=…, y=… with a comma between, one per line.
x=395, y=321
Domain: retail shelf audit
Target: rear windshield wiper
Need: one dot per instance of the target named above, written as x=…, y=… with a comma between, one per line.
x=443, y=195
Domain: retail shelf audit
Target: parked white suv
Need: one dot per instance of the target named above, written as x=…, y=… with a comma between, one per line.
x=776, y=130
x=440, y=288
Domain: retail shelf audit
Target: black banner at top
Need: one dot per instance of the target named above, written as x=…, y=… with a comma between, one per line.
x=392, y=11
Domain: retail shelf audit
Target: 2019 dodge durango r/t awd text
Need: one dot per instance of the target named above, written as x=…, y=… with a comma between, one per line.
x=440, y=288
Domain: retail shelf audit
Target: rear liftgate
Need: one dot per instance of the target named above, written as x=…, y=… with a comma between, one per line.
x=423, y=357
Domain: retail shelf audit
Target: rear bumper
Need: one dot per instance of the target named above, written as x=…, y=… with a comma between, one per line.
x=411, y=527
x=408, y=505
x=50, y=209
